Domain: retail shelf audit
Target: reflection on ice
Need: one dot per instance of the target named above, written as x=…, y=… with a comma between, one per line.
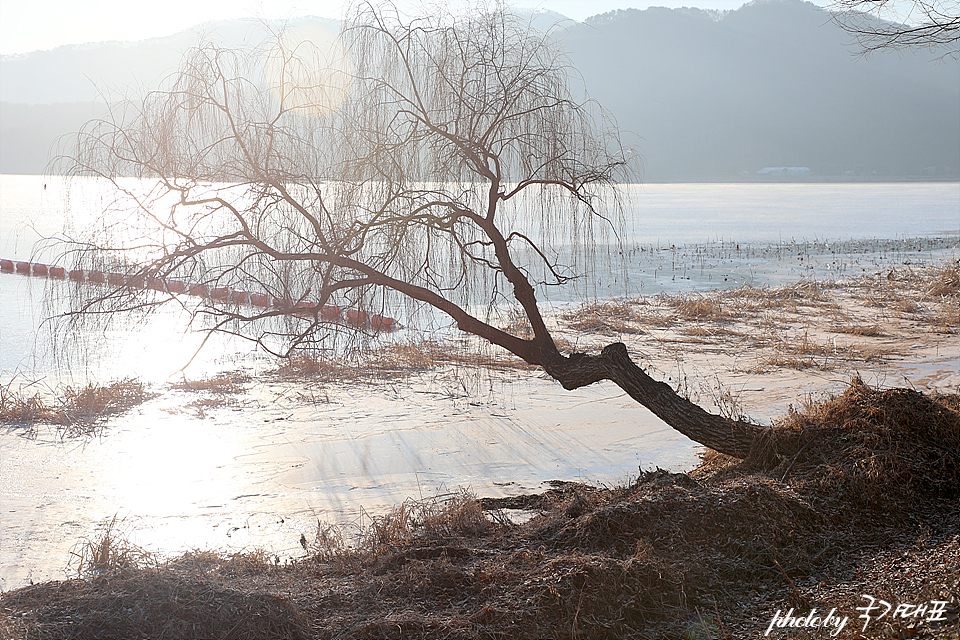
x=261, y=472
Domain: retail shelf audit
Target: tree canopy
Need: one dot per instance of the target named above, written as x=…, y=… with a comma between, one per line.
x=446, y=160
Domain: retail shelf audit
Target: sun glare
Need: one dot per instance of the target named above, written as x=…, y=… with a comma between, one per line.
x=309, y=70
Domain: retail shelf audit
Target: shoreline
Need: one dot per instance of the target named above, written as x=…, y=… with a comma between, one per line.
x=733, y=549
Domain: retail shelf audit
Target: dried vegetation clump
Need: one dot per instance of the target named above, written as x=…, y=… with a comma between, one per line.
x=856, y=494
x=393, y=358
x=945, y=282
x=76, y=411
x=883, y=445
x=605, y=318
x=930, y=296
x=230, y=382
x=158, y=603
x=700, y=308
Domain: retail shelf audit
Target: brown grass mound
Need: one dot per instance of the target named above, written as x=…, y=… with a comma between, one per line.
x=728, y=518
x=880, y=445
x=150, y=604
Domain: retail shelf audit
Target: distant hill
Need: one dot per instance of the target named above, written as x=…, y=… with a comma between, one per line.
x=711, y=96
x=771, y=84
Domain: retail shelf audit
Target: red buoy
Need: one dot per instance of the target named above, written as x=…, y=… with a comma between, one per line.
x=115, y=279
x=155, y=284
x=39, y=269
x=76, y=275
x=175, y=286
x=95, y=276
x=23, y=267
x=220, y=293
x=238, y=297
x=58, y=272
x=6, y=265
x=198, y=290
x=330, y=311
x=383, y=323
x=357, y=316
x=259, y=299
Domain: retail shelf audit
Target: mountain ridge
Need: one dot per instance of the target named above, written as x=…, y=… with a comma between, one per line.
x=712, y=96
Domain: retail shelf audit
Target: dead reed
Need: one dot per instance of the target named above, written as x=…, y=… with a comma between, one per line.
x=945, y=282
x=229, y=382
x=604, y=318
x=701, y=308
x=77, y=411
x=402, y=357
x=110, y=550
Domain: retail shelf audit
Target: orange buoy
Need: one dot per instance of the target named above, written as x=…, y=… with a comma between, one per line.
x=357, y=316
x=95, y=276
x=259, y=299
x=220, y=293
x=383, y=323
x=175, y=286
x=58, y=272
x=39, y=269
x=198, y=290
x=76, y=275
x=238, y=297
x=330, y=311
x=23, y=267
x=307, y=307
x=6, y=265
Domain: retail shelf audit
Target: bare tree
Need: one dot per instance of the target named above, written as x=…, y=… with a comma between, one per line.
x=901, y=24
x=441, y=160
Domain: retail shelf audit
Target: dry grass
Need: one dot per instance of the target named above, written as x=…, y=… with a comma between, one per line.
x=158, y=603
x=230, y=382
x=905, y=305
x=76, y=410
x=945, y=282
x=605, y=318
x=869, y=331
x=518, y=324
x=397, y=357
x=805, y=291
x=879, y=443
x=437, y=520
x=110, y=551
x=701, y=308
x=324, y=369
x=946, y=319
x=786, y=361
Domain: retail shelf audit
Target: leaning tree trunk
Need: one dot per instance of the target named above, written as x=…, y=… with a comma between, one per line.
x=732, y=437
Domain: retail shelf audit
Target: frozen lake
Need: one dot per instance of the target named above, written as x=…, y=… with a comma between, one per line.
x=258, y=472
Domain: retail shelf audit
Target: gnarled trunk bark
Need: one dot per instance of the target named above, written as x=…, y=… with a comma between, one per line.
x=732, y=437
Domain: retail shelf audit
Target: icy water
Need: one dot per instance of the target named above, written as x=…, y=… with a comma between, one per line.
x=258, y=472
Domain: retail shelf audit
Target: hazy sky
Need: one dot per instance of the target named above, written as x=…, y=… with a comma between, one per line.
x=29, y=25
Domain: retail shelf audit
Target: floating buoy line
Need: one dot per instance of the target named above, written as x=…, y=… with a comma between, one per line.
x=329, y=312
